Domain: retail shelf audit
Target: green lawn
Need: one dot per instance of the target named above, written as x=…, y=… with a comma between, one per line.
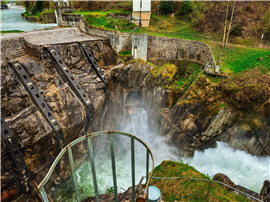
x=11, y=31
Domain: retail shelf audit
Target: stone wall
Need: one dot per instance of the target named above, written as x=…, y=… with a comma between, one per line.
x=172, y=48
x=119, y=41
x=29, y=18
x=49, y=17
x=126, y=16
x=12, y=47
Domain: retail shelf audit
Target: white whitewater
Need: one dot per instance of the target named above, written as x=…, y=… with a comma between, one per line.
x=244, y=169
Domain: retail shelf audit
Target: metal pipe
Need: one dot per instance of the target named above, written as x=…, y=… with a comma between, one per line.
x=73, y=173
x=113, y=168
x=93, y=169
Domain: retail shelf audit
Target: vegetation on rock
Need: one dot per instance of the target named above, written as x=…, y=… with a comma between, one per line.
x=187, y=189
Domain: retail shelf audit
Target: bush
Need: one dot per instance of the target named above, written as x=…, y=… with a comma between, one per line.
x=166, y=7
x=266, y=24
x=185, y=8
x=237, y=30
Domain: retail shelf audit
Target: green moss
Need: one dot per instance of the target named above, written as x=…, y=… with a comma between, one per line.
x=186, y=189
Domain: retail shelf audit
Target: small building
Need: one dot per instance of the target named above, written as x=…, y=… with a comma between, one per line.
x=142, y=12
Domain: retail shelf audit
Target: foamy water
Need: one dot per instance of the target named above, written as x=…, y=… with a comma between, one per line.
x=243, y=169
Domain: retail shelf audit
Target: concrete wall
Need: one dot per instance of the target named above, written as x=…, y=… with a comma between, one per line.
x=125, y=16
x=29, y=18
x=168, y=48
x=145, y=16
x=49, y=17
x=139, y=42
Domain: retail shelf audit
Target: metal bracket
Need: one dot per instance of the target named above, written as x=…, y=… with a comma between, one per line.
x=94, y=64
x=39, y=103
x=13, y=148
x=97, y=69
x=68, y=78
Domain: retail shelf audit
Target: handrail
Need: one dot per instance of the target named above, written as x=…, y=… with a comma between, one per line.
x=89, y=138
x=168, y=178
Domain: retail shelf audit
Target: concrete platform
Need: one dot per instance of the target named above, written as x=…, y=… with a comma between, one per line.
x=54, y=36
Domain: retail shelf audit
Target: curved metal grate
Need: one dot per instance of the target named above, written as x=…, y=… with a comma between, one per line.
x=89, y=137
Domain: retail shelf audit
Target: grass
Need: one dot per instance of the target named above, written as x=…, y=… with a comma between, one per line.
x=49, y=11
x=237, y=59
x=11, y=31
x=125, y=53
x=110, y=23
x=100, y=13
x=188, y=190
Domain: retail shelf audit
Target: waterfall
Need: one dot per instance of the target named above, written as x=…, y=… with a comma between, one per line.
x=243, y=169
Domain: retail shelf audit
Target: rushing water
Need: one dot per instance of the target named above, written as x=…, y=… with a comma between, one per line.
x=244, y=169
x=11, y=19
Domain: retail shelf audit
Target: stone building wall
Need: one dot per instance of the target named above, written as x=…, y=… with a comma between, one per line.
x=49, y=18
x=168, y=48
x=126, y=16
x=139, y=46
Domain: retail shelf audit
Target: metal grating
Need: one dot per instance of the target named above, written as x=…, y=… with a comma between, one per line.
x=70, y=79
x=12, y=146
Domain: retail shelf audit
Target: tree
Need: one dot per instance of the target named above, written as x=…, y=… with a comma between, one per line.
x=230, y=24
x=185, y=8
x=225, y=26
x=266, y=24
x=166, y=7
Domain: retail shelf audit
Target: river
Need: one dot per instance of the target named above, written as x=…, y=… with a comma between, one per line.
x=11, y=19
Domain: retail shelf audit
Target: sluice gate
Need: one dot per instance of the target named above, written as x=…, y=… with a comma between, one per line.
x=12, y=146
x=89, y=139
x=68, y=78
x=39, y=102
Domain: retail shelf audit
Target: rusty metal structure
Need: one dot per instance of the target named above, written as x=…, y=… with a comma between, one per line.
x=88, y=138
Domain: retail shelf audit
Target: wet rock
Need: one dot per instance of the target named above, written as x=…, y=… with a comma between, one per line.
x=265, y=191
x=225, y=179
x=7, y=196
x=57, y=181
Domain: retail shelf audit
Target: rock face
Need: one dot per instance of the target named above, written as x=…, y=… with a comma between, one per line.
x=265, y=191
x=225, y=179
x=34, y=134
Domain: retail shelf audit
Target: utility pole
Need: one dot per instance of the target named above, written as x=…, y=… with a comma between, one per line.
x=140, y=24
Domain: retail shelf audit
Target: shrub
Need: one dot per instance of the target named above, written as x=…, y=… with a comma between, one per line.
x=166, y=7
x=185, y=8
x=266, y=24
x=237, y=30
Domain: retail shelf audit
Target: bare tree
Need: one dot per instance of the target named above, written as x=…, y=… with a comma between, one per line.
x=225, y=26
x=230, y=24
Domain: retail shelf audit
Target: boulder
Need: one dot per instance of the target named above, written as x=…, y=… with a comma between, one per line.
x=9, y=195
x=225, y=179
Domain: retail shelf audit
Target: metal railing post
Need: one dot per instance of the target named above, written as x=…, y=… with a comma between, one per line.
x=73, y=173
x=133, y=169
x=147, y=169
x=93, y=169
x=43, y=194
x=113, y=168
x=208, y=189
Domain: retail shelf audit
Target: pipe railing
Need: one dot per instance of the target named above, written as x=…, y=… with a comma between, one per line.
x=89, y=137
x=169, y=178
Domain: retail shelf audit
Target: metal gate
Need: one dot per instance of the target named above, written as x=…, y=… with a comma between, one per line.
x=88, y=138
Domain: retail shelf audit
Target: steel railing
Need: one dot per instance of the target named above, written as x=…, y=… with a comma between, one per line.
x=169, y=178
x=89, y=137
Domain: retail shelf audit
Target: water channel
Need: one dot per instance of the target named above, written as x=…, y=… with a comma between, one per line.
x=11, y=19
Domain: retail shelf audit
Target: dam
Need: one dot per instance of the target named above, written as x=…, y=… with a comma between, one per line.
x=62, y=84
